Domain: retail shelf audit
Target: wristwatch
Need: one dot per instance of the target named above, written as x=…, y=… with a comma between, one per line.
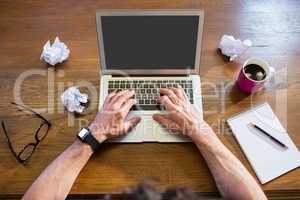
x=86, y=136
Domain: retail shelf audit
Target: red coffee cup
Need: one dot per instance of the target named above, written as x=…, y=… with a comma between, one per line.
x=248, y=84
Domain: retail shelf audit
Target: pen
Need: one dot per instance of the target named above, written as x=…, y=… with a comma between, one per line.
x=268, y=135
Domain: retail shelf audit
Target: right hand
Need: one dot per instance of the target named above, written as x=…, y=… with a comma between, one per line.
x=182, y=117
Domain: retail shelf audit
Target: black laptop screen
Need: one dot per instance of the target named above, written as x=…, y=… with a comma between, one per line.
x=150, y=42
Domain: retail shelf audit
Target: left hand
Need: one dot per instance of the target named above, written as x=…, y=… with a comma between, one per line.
x=110, y=120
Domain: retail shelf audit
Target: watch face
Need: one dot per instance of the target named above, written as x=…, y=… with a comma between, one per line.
x=83, y=133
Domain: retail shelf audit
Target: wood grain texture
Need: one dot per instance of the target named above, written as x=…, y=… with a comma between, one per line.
x=273, y=26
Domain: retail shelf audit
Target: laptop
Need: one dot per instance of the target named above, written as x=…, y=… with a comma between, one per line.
x=146, y=50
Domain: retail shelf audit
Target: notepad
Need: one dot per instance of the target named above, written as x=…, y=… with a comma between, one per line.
x=268, y=159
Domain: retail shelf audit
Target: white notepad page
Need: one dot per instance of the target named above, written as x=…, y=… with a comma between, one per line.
x=268, y=159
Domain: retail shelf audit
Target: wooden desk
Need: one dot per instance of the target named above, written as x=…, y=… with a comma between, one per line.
x=274, y=28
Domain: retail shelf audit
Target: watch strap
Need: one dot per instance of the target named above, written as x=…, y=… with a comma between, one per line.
x=90, y=140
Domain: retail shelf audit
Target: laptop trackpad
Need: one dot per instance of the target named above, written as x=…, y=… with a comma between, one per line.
x=149, y=130
x=143, y=132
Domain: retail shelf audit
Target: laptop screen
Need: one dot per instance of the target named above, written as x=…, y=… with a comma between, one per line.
x=150, y=42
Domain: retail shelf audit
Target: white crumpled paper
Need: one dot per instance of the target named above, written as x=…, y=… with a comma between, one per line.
x=72, y=99
x=232, y=47
x=55, y=53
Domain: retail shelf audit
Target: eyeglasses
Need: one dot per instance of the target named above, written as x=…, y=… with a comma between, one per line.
x=41, y=132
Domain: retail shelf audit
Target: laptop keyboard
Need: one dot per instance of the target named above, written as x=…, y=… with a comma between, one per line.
x=146, y=91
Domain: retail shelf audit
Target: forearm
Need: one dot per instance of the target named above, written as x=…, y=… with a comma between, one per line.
x=56, y=180
x=232, y=178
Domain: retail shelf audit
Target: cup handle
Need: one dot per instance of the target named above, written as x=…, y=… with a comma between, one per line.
x=272, y=74
x=272, y=71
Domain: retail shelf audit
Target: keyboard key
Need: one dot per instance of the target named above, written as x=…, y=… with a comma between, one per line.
x=147, y=101
x=191, y=96
x=140, y=85
x=144, y=96
x=148, y=90
x=110, y=91
x=141, y=101
x=188, y=85
x=143, y=91
x=150, y=96
x=153, y=102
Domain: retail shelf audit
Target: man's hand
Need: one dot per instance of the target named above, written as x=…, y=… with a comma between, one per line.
x=182, y=117
x=110, y=121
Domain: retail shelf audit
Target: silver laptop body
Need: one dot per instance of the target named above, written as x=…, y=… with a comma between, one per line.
x=145, y=50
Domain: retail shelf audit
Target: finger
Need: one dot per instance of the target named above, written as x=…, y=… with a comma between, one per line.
x=183, y=92
x=166, y=122
x=124, y=98
x=128, y=105
x=109, y=96
x=130, y=124
x=170, y=94
x=119, y=99
x=162, y=119
x=167, y=103
x=178, y=93
x=118, y=93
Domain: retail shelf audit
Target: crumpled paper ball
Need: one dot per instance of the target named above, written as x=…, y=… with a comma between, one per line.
x=55, y=53
x=72, y=99
x=232, y=47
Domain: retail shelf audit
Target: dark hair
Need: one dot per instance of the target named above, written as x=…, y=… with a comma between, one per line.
x=144, y=191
